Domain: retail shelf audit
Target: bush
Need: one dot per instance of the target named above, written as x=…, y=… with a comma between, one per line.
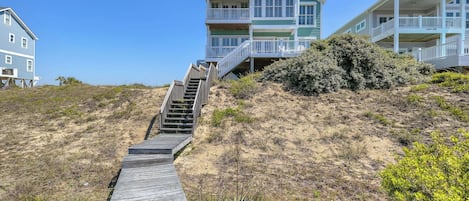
x=313, y=74
x=438, y=171
x=245, y=87
x=346, y=61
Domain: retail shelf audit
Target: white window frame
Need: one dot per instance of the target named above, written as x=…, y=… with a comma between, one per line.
x=29, y=65
x=360, y=26
x=7, y=16
x=278, y=8
x=306, y=15
x=11, y=36
x=289, y=8
x=24, y=42
x=259, y=8
x=8, y=59
x=388, y=18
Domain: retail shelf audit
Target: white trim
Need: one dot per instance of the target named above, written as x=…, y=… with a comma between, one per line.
x=5, y=18
x=315, y=14
x=8, y=59
x=10, y=37
x=26, y=45
x=16, y=54
x=27, y=65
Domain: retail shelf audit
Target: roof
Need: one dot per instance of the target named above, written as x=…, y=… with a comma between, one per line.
x=18, y=19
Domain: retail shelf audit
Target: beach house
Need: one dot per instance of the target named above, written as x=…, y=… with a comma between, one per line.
x=246, y=35
x=17, y=51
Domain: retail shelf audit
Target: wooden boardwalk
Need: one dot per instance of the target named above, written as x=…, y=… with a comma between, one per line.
x=148, y=172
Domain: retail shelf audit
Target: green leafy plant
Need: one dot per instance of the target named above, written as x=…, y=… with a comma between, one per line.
x=457, y=81
x=239, y=116
x=438, y=171
x=245, y=87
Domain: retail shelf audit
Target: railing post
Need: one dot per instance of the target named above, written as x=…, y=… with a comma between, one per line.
x=420, y=21
x=419, y=55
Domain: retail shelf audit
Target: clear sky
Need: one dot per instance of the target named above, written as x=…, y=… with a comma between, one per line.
x=152, y=42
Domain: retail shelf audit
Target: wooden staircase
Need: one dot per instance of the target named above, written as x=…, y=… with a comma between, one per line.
x=148, y=172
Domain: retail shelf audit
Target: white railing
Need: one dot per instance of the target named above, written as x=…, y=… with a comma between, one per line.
x=444, y=50
x=219, y=52
x=279, y=47
x=234, y=58
x=228, y=14
x=261, y=48
x=420, y=22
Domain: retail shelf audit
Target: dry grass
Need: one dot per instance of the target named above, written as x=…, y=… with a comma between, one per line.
x=329, y=147
x=67, y=143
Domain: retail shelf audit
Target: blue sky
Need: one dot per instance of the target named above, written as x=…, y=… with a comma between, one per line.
x=152, y=42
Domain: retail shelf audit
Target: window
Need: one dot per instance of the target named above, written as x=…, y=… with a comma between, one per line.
x=258, y=8
x=278, y=8
x=467, y=20
x=453, y=14
x=348, y=30
x=244, y=5
x=454, y=2
x=384, y=19
x=11, y=38
x=8, y=59
x=360, y=26
x=24, y=42
x=269, y=8
x=289, y=10
x=7, y=18
x=214, y=5
x=307, y=15
x=215, y=42
x=29, y=65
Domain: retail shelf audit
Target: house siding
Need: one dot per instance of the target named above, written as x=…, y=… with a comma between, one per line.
x=18, y=63
x=273, y=22
x=19, y=32
x=229, y=32
x=274, y=34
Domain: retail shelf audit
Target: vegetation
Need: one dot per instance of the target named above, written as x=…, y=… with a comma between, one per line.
x=66, y=142
x=245, y=87
x=437, y=171
x=456, y=81
x=456, y=111
x=63, y=81
x=348, y=62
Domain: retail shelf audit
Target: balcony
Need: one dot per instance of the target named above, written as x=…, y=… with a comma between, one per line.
x=228, y=15
x=416, y=25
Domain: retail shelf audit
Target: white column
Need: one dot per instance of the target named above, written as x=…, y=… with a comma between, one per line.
x=443, y=26
x=462, y=38
x=396, y=26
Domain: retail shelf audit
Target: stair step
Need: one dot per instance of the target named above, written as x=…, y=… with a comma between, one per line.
x=176, y=130
x=190, y=101
x=177, y=124
x=179, y=110
x=177, y=119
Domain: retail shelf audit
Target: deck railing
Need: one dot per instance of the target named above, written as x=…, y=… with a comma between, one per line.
x=201, y=98
x=444, y=50
x=426, y=23
x=261, y=48
x=218, y=52
x=228, y=14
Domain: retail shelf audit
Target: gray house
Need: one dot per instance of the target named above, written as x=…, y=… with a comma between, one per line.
x=17, y=51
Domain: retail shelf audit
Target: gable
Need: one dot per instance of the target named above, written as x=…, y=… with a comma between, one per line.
x=17, y=19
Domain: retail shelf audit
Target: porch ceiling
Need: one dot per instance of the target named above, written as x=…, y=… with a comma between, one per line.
x=414, y=38
x=409, y=5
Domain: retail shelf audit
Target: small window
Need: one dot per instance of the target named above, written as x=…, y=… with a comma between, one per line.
x=360, y=26
x=11, y=38
x=7, y=18
x=244, y=5
x=348, y=31
x=289, y=9
x=24, y=42
x=29, y=65
x=8, y=59
x=258, y=8
x=215, y=42
x=214, y=5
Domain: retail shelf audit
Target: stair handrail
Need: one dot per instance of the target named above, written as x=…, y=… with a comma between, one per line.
x=192, y=72
x=175, y=92
x=234, y=58
x=197, y=106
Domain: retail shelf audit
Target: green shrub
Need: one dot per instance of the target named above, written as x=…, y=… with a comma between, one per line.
x=313, y=74
x=239, y=116
x=66, y=81
x=346, y=61
x=245, y=87
x=420, y=87
x=455, y=111
x=438, y=171
x=457, y=81
x=414, y=98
